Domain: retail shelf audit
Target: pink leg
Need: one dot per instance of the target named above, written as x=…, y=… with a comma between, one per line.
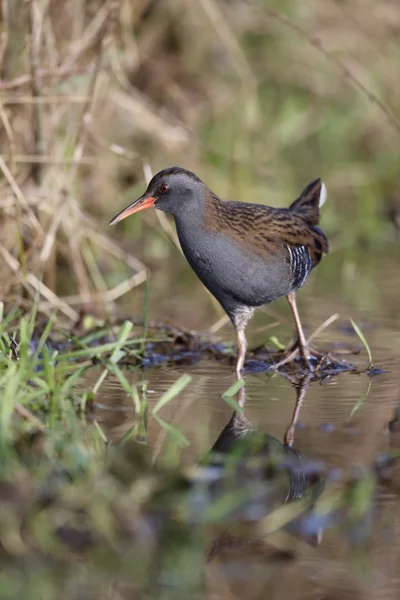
x=241, y=352
x=303, y=345
x=291, y=298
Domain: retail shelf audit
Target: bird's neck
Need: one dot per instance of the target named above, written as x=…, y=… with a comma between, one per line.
x=199, y=215
x=194, y=224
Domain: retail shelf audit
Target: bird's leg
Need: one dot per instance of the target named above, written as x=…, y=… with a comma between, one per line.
x=241, y=351
x=302, y=342
x=301, y=390
x=303, y=345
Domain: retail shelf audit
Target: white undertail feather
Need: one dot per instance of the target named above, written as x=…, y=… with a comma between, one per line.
x=323, y=195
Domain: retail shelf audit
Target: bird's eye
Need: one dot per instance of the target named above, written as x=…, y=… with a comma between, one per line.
x=164, y=188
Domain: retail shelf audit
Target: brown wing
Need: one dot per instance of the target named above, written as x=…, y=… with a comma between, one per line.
x=265, y=230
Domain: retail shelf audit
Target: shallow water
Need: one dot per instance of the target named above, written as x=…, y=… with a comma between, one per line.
x=343, y=423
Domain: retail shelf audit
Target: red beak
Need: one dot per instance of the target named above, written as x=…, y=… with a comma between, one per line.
x=139, y=204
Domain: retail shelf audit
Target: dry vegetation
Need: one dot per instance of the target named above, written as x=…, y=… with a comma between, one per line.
x=93, y=92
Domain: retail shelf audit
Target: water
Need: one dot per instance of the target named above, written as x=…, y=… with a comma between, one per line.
x=345, y=423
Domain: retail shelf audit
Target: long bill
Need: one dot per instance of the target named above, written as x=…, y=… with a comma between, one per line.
x=140, y=204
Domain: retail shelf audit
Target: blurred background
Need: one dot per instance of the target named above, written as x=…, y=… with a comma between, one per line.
x=258, y=98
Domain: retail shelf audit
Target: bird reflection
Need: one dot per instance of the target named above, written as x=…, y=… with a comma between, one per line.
x=388, y=464
x=267, y=472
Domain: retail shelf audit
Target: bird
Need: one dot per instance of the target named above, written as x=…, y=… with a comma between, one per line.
x=245, y=254
x=241, y=439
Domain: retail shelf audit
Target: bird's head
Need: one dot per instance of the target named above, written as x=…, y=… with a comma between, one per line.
x=172, y=190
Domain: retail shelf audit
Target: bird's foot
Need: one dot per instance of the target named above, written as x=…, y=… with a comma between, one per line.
x=312, y=360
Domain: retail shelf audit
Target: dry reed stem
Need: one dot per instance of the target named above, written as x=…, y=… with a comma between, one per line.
x=49, y=240
x=60, y=73
x=116, y=66
x=267, y=327
x=36, y=22
x=10, y=137
x=315, y=333
x=29, y=416
x=81, y=135
x=104, y=242
x=19, y=99
x=46, y=160
x=74, y=237
x=138, y=109
x=19, y=195
x=126, y=286
x=80, y=231
x=92, y=32
x=38, y=286
x=4, y=35
x=222, y=321
x=323, y=326
x=49, y=37
x=108, y=296
x=230, y=42
x=107, y=244
x=92, y=267
x=102, y=143
x=144, y=107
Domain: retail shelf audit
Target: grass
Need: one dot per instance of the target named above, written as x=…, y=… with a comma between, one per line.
x=363, y=341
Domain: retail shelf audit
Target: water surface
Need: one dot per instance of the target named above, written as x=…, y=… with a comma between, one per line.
x=343, y=422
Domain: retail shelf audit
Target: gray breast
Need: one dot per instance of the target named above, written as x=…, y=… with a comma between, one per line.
x=226, y=269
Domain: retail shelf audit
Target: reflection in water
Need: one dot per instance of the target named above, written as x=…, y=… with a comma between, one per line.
x=273, y=472
x=237, y=508
x=388, y=464
x=239, y=433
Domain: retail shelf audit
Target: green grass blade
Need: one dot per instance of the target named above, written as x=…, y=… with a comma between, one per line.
x=129, y=389
x=274, y=340
x=229, y=395
x=362, y=339
x=100, y=431
x=72, y=380
x=105, y=348
x=173, y=391
x=33, y=315
x=361, y=400
x=122, y=338
x=100, y=380
x=175, y=434
x=45, y=334
x=233, y=389
x=131, y=433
